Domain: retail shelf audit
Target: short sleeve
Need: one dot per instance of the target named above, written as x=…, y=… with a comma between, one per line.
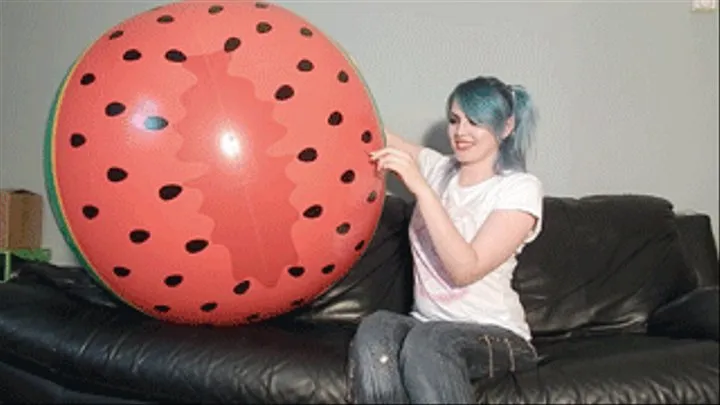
x=431, y=163
x=523, y=192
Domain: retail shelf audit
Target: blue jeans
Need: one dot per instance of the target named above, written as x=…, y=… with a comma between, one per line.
x=395, y=358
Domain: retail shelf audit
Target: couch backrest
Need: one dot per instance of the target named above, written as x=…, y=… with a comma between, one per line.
x=600, y=265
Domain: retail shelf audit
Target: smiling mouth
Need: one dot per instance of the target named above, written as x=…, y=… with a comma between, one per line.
x=462, y=145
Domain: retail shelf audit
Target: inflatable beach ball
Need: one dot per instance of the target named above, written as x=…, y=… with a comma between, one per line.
x=208, y=162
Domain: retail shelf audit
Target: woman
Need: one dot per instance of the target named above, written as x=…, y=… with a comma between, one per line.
x=475, y=211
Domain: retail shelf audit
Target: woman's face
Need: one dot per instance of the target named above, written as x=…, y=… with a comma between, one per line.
x=471, y=143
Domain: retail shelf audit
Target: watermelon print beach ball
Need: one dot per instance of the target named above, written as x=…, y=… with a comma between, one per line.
x=208, y=162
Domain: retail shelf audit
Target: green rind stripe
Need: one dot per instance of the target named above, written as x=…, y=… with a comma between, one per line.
x=51, y=186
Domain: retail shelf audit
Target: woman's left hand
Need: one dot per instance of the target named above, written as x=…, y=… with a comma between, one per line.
x=403, y=165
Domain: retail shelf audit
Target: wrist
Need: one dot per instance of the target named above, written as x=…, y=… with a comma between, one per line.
x=424, y=193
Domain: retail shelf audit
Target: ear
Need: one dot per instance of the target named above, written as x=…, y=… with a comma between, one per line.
x=509, y=127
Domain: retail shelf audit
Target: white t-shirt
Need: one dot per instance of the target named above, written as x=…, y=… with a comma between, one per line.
x=491, y=300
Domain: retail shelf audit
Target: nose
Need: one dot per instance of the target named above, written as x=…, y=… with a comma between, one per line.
x=461, y=129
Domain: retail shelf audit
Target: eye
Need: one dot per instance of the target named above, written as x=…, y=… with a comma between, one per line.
x=452, y=120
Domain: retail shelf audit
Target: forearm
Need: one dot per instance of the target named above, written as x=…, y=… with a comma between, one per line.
x=393, y=141
x=457, y=255
x=397, y=142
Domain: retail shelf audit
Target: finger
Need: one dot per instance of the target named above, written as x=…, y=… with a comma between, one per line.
x=393, y=163
x=393, y=158
x=380, y=153
x=394, y=168
x=389, y=152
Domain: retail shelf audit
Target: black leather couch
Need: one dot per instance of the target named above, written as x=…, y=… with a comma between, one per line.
x=621, y=293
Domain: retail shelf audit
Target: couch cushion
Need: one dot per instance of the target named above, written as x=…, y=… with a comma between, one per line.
x=601, y=264
x=115, y=351
x=623, y=369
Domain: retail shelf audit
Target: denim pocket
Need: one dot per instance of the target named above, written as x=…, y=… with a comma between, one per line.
x=522, y=354
x=508, y=353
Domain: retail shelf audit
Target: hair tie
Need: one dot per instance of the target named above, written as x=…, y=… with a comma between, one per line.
x=512, y=97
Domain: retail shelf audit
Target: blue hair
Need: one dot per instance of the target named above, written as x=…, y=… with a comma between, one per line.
x=489, y=102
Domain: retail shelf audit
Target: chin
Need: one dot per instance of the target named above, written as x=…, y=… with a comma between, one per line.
x=463, y=158
x=470, y=157
x=464, y=153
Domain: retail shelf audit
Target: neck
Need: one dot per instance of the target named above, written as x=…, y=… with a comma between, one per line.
x=472, y=173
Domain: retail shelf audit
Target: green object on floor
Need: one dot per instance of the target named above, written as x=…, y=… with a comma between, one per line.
x=40, y=255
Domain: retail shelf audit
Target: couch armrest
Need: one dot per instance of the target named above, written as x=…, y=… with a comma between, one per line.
x=699, y=248
x=694, y=316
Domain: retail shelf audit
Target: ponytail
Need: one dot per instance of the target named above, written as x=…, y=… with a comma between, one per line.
x=514, y=148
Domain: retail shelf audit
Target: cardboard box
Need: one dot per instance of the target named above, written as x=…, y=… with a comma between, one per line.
x=21, y=213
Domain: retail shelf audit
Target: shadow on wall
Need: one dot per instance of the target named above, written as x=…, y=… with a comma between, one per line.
x=436, y=138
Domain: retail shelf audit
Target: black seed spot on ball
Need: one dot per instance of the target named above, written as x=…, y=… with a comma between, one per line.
x=215, y=9
x=77, y=140
x=335, y=118
x=155, y=123
x=372, y=196
x=307, y=155
x=121, y=271
x=305, y=65
x=360, y=245
x=173, y=281
x=328, y=269
x=348, y=176
x=253, y=317
x=164, y=19
x=114, y=109
x=343, y=76
x=232, y=44
x=242, y=287
x=132, y=55
x=208, y=306
x=306, y=32
x=196, y=245
x=313, y=212
x=116, y=174
x=260, y=4
x=366, y=137
x=174, y=55
x=87, y=78
x=284, y=92
x=139, y=236
x=296, y=271
x=90, y=211
x=297, y=303
x=170, y=191
x=263, y=27
x=343, y=228
x=116, y=34
x=162, y=308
